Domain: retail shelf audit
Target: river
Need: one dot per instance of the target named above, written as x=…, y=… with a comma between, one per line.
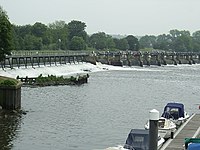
x=101, y=113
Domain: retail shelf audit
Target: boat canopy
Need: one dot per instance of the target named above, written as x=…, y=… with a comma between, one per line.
x=138, y=139
x=173, y=109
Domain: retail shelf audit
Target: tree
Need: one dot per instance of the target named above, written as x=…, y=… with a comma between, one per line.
x=147, y=41
x=163, y=42
x=77, y=28
x=121, y=44
x=59, y=32
x=5, y=35
x=183, y=43
x=181, y=40
x=109, y=42
x=32, y=42
x=19, y=34
x=98, y=40
x=77, y=43
x=39, y=29
x=133, y=43
x=196, y=41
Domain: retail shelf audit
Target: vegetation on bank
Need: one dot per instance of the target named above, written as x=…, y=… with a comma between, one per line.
x=8, y=82
x=52, y=80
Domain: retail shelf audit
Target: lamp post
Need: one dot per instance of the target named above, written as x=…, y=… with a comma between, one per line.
x=59, y=44
x=135, y=46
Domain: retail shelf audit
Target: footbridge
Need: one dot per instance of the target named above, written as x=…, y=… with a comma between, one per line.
x=117, y=58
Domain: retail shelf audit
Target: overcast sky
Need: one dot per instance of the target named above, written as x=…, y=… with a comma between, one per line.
x=136, y=17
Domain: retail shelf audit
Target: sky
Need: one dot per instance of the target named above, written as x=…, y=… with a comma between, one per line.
x=125, y=17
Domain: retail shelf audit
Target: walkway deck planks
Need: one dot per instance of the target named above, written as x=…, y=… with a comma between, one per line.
x=189, y=130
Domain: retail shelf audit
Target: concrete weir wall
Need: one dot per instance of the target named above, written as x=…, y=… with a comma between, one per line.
x=10, y=97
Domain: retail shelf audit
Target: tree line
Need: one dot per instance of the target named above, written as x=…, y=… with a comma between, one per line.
x=67, y=36
x=60, y=35
x=72, y=36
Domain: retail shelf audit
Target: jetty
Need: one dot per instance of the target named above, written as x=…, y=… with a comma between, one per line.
x=190, y=129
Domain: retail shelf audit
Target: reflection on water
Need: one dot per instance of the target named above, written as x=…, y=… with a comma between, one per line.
x=9, y=127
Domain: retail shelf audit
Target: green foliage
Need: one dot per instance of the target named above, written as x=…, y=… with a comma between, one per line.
x=77, y=43
x=8, y=81
x=5, y=34
x=59, y=32
x=147, y=41
x=196, y=41
x=180, y=41
x=163, y=42
x=53, y=80
x=77, y=28
x=32, y=42
x=121, y=44
x=101, y=41
x=133, y=43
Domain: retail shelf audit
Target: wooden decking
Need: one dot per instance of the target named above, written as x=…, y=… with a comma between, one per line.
x=189, y=129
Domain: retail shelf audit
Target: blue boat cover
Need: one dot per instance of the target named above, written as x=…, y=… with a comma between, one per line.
x=171, y=106
x=194, y=146
x=138, y=139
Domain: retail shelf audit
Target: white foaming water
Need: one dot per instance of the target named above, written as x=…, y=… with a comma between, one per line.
x=60, y=70
x=63, y=70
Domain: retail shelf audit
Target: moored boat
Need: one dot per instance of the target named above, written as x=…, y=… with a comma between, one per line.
x=138, y=139
x=175, y=112
x=165, y=127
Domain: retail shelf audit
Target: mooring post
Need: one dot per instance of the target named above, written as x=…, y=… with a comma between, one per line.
x=153, y=130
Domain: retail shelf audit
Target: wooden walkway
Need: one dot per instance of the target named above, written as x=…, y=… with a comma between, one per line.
x=189, y=129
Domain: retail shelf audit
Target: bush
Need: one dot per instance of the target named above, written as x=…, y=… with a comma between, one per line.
x=8, y=82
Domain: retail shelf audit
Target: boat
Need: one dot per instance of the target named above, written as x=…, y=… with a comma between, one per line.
x=138, y=139
x=192, y=143
x=165, y=127
x=175, y=112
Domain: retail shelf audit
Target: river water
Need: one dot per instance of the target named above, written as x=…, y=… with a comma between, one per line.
x=101, y=113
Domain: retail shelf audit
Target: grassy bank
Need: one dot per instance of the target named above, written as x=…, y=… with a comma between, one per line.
x=8, y=82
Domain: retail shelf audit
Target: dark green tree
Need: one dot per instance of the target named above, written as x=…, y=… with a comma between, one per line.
x=101, y=41
x=147, y=41
x=182, y=43
x=163, y=42
x=110, y=43
x=59, y=32
x=77, y=43
x=98, y=40
x=77, y=28
x=19, y=33
x=41, y=30
x=196, y=41
x=133, y=43
x=121, y=44
x=5, y=35
x=32, y=42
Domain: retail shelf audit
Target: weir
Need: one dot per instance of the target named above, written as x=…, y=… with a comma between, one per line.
x=19, y=61
x=137, y=58
x=121, y=58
